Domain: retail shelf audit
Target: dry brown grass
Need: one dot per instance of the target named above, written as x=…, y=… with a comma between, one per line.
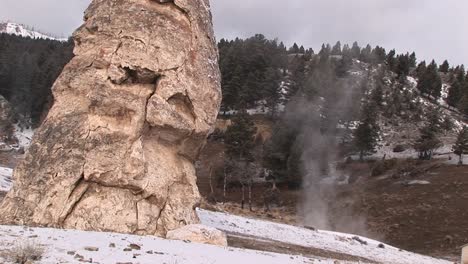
x=24, y=252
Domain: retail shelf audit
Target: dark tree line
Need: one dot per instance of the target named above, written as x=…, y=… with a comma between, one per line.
x=28, y=68
x=251, y=71
x=260, y=72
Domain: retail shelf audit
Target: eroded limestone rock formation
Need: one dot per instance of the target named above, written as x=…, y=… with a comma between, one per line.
x=131, y=112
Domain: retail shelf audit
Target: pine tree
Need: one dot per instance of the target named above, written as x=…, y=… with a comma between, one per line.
x=429, y=136
x=302, y=50
x=346, y=50
x=336, y=50
x=355, y=51
x=239, y=137
x=421, y=69
x=447, y=124
x=344, y=65
x=455, y=93
x=324, y=53
x=461, y=145
x=379, y=55
x=239, y=144
x=430, y=82
x=366, y=54
x=463, y=104
x=294, y=49
x=298, y=75
x=412, y=60
x=444, y=67
x=272, y=89
x=403, y=65
x=377, y=94
x=391, y=60
x=366, y=134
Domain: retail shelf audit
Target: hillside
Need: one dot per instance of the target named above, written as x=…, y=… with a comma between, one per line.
x=299, y=111
x=25, y=31
x=262, y=239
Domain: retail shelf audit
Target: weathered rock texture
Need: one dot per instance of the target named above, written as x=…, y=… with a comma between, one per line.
x=131, y=112
x=199, y=234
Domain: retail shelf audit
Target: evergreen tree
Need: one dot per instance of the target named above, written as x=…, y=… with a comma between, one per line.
x=461, y=145
x=455, y=93
x=366, y=54
x=355, y=51
x=239, y=144
x=298, y=76
x=324, y=53
x=403, y=65
x=366, y=134
x=346, y=50
x=430, y=82
x=391, y=60
x=239, y=138
x=421, y=69
x=444, y=67
x=447, y=125
x=344, y=65
x=336, y=50
x=429, y=136
x=463, y=104
x=294, y=49
x=245, y=66
x=302, y=50
x=379, y=55
x=272, y=89
x=412, y=60
x=377, y=94
x=28, y=69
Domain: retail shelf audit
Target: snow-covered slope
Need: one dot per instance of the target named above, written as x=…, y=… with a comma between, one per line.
x=24, y=136
x=5, y=179
x=325, y=240
x=72, y=246
x=24, y=31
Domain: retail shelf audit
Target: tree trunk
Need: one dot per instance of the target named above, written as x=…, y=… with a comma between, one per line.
x=243, y=196
x=361, y=155
x=460, y=159
x=224, y=185
x=250, y=195
x=210, y=177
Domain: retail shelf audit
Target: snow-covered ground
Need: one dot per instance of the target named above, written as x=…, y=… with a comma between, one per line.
x=5, y=179
x=71, y=246
x=24, y=136
x=66, y=246
x=329, y=241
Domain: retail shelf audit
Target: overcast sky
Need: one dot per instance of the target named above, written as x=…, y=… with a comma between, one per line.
x=433, y=28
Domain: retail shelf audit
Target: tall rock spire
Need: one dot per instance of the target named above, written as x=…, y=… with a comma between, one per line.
x=131, y=112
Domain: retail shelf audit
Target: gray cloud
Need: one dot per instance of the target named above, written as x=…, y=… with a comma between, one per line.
x=432, y=28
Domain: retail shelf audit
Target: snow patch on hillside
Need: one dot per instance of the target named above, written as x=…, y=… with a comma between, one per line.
x=24, y=136
x=69, y=246
x=24, y=31
x=325, y=240
x=73, y=246
x=5, y=179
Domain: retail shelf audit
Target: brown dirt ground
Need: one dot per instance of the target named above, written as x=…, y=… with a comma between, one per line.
x=241, y=241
